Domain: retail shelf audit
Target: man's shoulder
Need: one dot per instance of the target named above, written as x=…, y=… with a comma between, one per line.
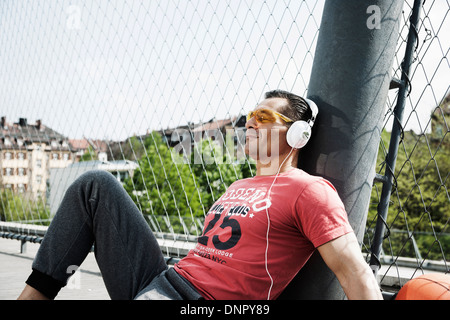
x=305, y=177
x=307, y=181
x=292, y=174
x=295, y=177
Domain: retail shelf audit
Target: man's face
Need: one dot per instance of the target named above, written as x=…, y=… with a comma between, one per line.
x=266, y=141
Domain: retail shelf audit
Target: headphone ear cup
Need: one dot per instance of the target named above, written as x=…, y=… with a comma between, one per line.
x=298, y=134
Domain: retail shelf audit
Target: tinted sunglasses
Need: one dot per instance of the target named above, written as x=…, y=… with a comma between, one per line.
x=266, y=115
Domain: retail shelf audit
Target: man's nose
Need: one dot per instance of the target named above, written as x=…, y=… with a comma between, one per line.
x=251, y=123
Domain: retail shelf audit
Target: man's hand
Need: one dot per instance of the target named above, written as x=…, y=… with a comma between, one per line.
x=343, y=256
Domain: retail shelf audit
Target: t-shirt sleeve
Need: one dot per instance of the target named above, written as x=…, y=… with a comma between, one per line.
x=320, y=214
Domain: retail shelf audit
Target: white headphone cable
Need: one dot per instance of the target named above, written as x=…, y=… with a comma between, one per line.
x=268, y=224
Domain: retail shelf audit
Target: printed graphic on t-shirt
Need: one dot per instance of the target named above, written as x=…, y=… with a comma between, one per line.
x=225, y=220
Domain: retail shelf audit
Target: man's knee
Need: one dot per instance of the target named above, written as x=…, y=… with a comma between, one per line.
x=99, y=176
x=95, y=177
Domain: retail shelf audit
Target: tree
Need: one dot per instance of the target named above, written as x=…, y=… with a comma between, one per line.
x=20, y=208
x=163, y=185
x=215, y=170
x=420, y=203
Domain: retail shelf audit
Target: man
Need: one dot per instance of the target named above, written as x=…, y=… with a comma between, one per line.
x=256, y=237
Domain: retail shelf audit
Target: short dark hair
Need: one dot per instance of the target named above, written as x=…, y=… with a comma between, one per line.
x=296, y=109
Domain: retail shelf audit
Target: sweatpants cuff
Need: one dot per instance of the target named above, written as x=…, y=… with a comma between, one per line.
x=44, y=284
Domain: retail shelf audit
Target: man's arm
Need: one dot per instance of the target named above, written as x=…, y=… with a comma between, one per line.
x=343, y=256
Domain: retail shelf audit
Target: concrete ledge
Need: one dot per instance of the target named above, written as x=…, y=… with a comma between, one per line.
x=22, y=228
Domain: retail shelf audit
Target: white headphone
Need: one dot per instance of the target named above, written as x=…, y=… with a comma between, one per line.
x=300, y=131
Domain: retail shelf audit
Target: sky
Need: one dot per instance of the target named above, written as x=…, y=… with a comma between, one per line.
x=113, y=69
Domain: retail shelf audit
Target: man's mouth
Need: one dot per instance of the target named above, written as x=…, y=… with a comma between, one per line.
x=251, y=134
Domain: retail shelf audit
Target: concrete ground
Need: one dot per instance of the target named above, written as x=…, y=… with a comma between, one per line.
x=15, y=267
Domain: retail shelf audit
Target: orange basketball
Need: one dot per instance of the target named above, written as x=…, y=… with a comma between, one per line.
x=433, y=286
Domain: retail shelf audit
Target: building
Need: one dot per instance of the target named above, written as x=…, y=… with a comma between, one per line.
x=82, y=147
x=27, y=153
x=223, y=132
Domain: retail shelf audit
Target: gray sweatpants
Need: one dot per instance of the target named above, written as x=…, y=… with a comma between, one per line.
x=97, y=210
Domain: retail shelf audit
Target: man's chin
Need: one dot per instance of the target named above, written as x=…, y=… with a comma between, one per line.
x=251, y=153
x=248, y=153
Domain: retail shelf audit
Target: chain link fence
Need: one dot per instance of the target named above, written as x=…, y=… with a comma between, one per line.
x=417, y=225
x=155, y=92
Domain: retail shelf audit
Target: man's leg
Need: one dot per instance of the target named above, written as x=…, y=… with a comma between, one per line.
x=96, y=209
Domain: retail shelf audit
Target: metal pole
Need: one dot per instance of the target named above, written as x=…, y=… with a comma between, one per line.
x=349, y=82
x=397, y=129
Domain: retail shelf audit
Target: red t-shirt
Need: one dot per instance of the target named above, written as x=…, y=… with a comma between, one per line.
x=229, y=260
